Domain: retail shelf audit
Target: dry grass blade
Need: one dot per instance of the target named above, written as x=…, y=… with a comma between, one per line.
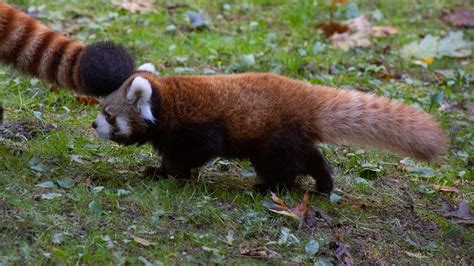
x=446, y=188
x=263, y=252
x=142, y=241
x=135, y=6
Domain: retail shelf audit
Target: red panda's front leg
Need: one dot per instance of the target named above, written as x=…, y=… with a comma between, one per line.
x=168, y=167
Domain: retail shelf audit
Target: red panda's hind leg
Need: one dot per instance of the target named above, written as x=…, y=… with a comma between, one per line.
x=318, y=167
x=155, y=173
x=278, y=161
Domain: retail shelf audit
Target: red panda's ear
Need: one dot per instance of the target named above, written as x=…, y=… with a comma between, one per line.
x=140, y=91
x=148, y=67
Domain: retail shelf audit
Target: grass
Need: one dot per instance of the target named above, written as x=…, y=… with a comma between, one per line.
x=389, y=211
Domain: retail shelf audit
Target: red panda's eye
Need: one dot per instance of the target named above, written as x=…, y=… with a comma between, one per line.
x=107, y=114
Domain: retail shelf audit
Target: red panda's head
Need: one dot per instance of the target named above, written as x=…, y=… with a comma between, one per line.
x=127, y=113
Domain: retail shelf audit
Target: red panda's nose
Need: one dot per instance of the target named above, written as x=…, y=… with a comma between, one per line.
x=94, y=125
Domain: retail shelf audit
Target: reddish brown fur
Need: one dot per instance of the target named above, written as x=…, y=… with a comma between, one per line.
x=38, y=50
x=254, y=106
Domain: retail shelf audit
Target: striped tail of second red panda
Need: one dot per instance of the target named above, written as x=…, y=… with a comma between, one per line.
x=35, y=49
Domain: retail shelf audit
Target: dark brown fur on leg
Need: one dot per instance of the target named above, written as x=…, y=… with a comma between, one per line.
x=318, y=167
x=278, y=162
x=176, y=168
x=155, y=173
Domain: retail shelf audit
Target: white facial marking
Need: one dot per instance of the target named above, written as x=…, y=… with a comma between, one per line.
x=103, y=128
x=140, y=92
x=148, y=67
x=122, y=124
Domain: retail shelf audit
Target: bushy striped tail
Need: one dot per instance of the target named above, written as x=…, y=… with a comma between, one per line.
x=360, y=119
x=37, y=50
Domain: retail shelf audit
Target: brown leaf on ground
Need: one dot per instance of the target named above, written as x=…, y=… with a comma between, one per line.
x=345, y=41
x=142, y=241
x=262, y=252
x=341, y=2
x=444, y=74
x=176, y=6
x=87, y=100
x=446, y=188
x=466, y=106
x=384, y=31
x=322, y=214
x=388, y=73
x=283, y=210
x=302, y=209
x=462, y=215
x=278, y=200
x=330, y=28
x=342, y=253
x=360, y=34
x=279, y=206
x=359, y=23
x=135, y=6
x=460, y=18
x=463, y=105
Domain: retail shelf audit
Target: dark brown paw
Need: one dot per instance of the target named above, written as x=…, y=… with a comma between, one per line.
x=261, y=188
x=155, y=173
x=324, y=188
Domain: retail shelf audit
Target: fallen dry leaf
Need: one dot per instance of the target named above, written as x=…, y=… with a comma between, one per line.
x=135, y=6
x=341, y=2
x=278, y=200
x=302, y=209
x=260, y=252
x=360, y=23
x=416, y=255
x=466, y=106
x=87, y=100
x=460, y=18
x=342, y=253
x=428, y=60
x=360, y=33
x=384, y=31
x=444, y=74
x=462, y=215
x=345, y=41
x=446, y=188
x=322, y=214
x=330, y=28
x=279, y=209
x=425, y=62
x=452, y=45
x=388, y=73
x=142, y=241
x=279, y=206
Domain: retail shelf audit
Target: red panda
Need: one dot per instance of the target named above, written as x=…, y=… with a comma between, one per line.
x=35, y=49
x=271, y=120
